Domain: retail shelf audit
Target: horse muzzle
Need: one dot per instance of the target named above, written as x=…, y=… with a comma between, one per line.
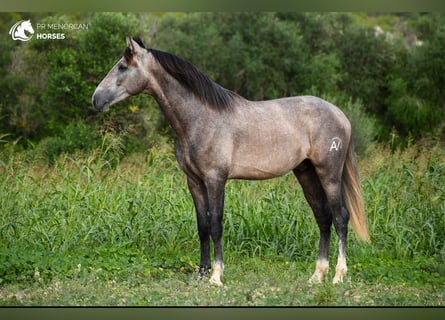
x=101, y=100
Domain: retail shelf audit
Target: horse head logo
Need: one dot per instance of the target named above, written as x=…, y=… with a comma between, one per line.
x=22, y=30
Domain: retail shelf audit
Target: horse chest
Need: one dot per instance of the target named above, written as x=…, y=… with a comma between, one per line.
x=194, y=160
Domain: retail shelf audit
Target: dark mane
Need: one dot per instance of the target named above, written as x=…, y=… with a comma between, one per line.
x=202, y=86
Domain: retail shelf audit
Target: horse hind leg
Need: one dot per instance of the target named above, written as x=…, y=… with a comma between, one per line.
x=331, y=183
x=316, y=198
x=341, y=218
x=341, y=226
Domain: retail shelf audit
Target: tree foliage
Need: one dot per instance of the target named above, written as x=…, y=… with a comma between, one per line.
x=387, y=72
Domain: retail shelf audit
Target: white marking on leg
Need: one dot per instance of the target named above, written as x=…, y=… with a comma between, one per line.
x=340, y=270
x=321, y=268
x=218, y=268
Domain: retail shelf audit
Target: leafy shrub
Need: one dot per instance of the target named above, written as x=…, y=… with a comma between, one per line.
x=261, y=55
x=366, y=61
x=409, y=114
x=77, y=136
x=241, y=51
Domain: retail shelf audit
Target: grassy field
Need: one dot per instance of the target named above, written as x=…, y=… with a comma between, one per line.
x=87, y=232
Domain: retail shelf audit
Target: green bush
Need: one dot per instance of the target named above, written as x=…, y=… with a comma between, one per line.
x=366, y=61
x=77, y=136
x=254, y=54
x=397, y=75
x=410, y=115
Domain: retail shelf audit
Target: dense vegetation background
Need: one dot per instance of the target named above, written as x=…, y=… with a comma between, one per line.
x=93, y=206
x=386, y=71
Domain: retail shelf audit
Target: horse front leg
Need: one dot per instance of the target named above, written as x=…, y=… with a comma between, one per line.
x=199, y=195
x=215, y=192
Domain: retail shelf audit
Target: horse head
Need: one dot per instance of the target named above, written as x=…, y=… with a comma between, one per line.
x=128, y=77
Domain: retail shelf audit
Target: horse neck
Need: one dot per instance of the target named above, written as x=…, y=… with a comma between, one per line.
x=180, y=106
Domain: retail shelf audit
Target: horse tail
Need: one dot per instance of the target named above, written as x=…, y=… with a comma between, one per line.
x=352, y=196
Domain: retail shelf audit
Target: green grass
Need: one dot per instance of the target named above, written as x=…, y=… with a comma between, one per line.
x=83, y=232
x=248, y=282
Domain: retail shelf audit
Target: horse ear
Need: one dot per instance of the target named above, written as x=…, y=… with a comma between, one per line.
x=134, y=47
x=130, y=44
x=129, y=51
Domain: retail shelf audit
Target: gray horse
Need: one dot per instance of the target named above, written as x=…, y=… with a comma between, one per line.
x=221, y=136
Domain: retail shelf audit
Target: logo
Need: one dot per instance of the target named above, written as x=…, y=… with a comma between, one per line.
x=22, y=30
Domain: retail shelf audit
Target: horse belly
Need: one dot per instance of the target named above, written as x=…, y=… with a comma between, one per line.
x=255, y=172
x=256, y=165
x=268, y=140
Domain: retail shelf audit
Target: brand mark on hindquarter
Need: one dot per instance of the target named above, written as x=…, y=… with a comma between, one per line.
x=336, y=144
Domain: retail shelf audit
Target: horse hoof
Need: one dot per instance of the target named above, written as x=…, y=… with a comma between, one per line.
x=316, y=278
x=216, y=282
x=216, y=275
x=338, y=278
x=203, y=272
x=340, y=273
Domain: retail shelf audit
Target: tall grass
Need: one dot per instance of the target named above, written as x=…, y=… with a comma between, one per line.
x=269, y=218
x=405, y=196
x=136, y=216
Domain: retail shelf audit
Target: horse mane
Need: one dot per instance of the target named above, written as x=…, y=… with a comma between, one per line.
x=189, y=76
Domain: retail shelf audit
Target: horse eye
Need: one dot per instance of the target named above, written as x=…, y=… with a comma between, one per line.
x=122, y=67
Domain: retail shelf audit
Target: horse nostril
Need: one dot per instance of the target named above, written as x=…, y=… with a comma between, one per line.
x=101, y=100
x=96, y=101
